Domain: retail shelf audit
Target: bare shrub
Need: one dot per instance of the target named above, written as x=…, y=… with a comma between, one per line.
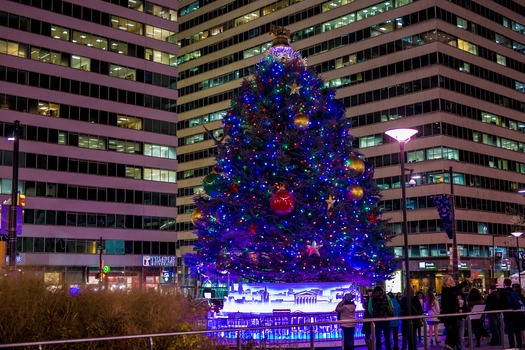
x=30, y=311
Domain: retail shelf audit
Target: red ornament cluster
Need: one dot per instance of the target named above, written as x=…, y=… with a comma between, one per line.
x=282, y=202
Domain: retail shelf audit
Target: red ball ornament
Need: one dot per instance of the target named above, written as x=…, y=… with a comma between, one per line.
x=282, y=202
x=355, y=193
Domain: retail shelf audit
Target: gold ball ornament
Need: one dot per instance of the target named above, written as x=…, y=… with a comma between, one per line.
x=301, y=121
x=196, y=217
x=355, y=193
x=356, y=164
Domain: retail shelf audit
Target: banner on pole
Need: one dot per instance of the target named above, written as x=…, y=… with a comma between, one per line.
x=444, y=209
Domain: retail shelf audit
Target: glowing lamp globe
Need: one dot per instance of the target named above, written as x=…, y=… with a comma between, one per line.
x=282, y=202
x=401, y=135
x=356, y=164
x=355, y=193
x=301, y=121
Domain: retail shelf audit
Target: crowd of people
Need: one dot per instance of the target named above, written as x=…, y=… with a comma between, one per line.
x=455, y=299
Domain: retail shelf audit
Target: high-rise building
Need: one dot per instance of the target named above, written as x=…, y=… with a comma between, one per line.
x=93, y=84
x=453, y=70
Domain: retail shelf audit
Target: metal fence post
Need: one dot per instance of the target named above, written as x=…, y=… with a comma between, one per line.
x=502, y=331
x=150, y=343
x=373, y=335
x=425, y=331
x=312, y=347
x=238, y=340
x=469, y=325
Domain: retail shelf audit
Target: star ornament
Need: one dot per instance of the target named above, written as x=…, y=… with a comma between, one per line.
x=313, y=249
x=294, y=89
x=234, y=188
x=330, y=203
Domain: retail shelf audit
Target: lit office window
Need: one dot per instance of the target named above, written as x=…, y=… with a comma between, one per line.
x=126, y=25
x=461, y=23
x=162, y=175
x=59, y=33
x=125, y=121
x=501, y=59
x=369, y=141
x=79, y=62
x=466, y=46
x=160, y=151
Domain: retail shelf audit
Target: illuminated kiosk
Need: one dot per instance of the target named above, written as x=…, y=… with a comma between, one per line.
x=273, y=304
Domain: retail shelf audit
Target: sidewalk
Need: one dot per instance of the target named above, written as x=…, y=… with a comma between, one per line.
x=441, y=346
x=360, y=344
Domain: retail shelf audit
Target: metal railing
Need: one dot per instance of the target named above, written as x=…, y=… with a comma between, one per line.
x=237, y=337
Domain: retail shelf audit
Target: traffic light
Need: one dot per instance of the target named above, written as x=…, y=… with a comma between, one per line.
x=104, y=275
x=22, y=201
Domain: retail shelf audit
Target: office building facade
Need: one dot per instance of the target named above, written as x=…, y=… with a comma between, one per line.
x=453, y=70
x=93, y=85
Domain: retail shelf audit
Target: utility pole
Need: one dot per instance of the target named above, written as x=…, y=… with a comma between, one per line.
x=455, y=261
x=14, y=199
x=101, y=249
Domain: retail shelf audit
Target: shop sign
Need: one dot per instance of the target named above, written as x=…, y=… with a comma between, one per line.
x=159, y=260
x=167, y=276
x=504, y=266
x=424, y=265
x=463, y=265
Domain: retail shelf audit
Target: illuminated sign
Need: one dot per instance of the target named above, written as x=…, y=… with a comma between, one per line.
x=427, y=265
x=305, y=297
x=167, y=276
x=463, y=265
x=159, y=260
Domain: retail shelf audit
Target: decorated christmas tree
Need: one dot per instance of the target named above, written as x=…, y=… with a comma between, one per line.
x=291, y=200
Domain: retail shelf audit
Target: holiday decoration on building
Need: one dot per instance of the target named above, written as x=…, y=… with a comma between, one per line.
x=290, y=199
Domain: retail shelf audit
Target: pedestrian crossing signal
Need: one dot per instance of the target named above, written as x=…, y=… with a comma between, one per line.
x=22, y=200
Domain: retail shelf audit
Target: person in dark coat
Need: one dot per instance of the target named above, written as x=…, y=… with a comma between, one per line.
x=380, y=306
x=462, y=320
x=509, y=300
x=367, y=326
x=475, y=298
x=449, y=306
x=417, y=310
x=492, y=303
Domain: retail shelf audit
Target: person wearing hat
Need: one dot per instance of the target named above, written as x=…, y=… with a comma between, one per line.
x=346, y=310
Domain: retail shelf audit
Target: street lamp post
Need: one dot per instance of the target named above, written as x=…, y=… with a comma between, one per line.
x=518, y=235
x=14, y=198
x=403, y=136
